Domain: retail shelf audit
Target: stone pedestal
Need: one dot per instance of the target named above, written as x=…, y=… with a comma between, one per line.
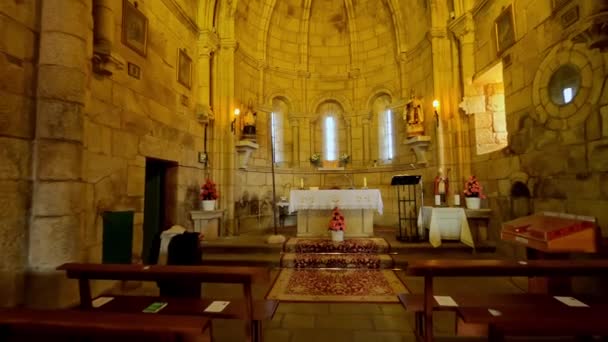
x=420, y=145
x=208, y=222
x=244, y=148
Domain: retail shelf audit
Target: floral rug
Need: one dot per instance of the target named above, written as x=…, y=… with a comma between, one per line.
x=325, y=245
x=338, y=260
x=331, y=285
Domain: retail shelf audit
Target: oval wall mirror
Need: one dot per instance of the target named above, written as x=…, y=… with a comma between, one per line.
x=564, y=84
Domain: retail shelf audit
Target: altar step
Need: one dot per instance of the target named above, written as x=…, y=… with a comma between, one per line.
x=254, y=251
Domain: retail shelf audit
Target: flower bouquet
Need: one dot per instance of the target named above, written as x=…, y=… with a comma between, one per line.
x=208, y=195
x=473, y=193
x=337, y=225
x=344, y=158
x=315, y=159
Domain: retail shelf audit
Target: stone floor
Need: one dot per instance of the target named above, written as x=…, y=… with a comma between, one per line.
x=346, y=322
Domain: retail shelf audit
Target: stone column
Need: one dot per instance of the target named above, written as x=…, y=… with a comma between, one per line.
x=295, y=138
x=226, y=169
x=207, y=44
x=366, y=140
x=57, y=203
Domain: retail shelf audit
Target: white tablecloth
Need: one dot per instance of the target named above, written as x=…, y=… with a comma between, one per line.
x=447, y=223
x=329, y=199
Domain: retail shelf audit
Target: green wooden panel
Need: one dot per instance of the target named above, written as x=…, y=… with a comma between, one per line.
x=117, y=237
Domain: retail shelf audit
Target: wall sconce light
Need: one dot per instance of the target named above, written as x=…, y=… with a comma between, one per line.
x=236, y=115
x=436, y=107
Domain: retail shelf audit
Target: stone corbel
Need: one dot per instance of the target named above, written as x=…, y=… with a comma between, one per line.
x=204, y=114
x=420, y=145
x=244, y=148
x=107, y=64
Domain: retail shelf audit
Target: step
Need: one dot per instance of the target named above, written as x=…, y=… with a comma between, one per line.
x=336, y=260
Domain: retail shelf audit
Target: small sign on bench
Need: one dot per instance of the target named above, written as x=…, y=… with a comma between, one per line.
x=217, y=306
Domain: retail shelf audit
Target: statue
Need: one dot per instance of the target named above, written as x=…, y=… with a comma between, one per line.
x=414, y=117
x=249, y=120
x=441, y=188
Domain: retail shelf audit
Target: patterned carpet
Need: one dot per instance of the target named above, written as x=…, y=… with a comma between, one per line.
x=325, y=245
x=319, y=270
x=337, y=285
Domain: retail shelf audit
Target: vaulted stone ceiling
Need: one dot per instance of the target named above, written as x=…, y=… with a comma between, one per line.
x=325, y=37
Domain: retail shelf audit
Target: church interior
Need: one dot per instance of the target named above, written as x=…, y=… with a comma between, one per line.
x=310, y=136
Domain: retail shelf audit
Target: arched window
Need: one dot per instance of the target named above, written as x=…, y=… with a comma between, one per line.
x=386, y=128
x=330, y=143
x=280, y=132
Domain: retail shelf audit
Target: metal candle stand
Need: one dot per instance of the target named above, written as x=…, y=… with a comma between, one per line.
x=409, y=201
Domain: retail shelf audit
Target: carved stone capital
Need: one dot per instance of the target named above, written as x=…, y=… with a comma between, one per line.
x=438, y=32
x=473, y=104
x=208, y=42
x=463, y=26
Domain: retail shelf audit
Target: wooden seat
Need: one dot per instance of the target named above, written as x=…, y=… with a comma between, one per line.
x=484, y=268
x=245, y=276
x=91, y=323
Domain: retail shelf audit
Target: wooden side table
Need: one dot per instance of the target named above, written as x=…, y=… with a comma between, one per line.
x=478, y=222
x=210, y=223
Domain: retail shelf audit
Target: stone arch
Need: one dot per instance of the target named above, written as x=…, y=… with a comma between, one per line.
x=341, y=100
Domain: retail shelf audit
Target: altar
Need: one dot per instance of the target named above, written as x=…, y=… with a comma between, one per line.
x=314, y=210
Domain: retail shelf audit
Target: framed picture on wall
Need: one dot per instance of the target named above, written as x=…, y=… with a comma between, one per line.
x=134, y=28
x=504, y=28
x=184, y=69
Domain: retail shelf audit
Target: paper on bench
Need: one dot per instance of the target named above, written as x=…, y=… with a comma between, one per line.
x=445, y=301
x=99, y=301
x=571, y=301
x=217, y=306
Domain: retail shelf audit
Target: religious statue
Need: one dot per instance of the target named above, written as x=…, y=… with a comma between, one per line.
x=249, y=120
x=441, y=188
x=414, y=116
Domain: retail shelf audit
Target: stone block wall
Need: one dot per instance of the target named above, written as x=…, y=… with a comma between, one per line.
x=18, y=43
x=129, y=120
x=555, y=150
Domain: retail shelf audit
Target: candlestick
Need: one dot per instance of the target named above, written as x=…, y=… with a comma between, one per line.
x=301, y=183
x=364, y=182
x=456, y=200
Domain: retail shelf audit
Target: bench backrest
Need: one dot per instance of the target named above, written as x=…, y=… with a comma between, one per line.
x=209, y=274
x=484, y=268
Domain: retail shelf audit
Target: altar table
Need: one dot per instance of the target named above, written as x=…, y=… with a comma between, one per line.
x=314, y=210
x=445, y=223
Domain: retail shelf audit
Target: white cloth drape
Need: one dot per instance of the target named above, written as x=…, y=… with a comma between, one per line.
x=329, y=199
x=447, y=223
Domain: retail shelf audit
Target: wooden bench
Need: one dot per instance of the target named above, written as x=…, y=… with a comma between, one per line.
x=16, y=322
x=200, y=274
x=560, y=321
x=484, y=268
x=262, y=309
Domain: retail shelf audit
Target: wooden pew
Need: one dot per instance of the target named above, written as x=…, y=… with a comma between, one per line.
x=262, y=309
x=14, y=322
x=200, y=274
x=533, y=321
x=487, y=268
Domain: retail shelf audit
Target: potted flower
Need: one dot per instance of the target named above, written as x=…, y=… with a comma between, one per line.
x=473, y=193
x=208, y=195
x=337, y=225
x=315, y=159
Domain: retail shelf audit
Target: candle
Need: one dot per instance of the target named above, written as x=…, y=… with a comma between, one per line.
x=437, y=199
x=457, y=200
x=364, y=182
x=301, y=183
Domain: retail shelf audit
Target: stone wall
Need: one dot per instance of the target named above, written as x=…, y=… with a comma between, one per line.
x=129, y=120
x=19, y=22
x=557, y=151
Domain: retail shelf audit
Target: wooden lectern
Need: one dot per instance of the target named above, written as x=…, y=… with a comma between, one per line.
x=549, y=235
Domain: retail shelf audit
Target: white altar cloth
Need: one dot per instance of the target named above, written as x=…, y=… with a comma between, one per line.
x=445, y=223
x=329, y=199
x=314, y=209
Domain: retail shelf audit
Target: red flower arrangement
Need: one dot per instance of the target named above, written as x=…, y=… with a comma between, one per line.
x=208, y=191
x=336, y=223
x=472, y=188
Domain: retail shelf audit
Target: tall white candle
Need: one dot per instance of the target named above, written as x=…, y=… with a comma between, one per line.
x=457, y=200
x=301, y=183
x=365, y=182
x=437, y=199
